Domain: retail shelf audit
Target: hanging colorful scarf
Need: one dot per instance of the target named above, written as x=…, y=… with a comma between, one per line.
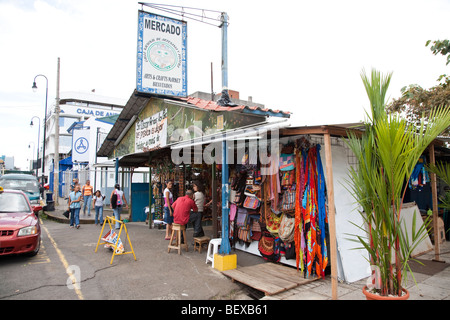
x=298, y=211
x=322, y=211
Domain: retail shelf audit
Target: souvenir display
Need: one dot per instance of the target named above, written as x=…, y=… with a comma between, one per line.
x=285, y=211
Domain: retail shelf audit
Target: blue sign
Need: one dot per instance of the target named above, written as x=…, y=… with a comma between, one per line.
x=81, y=145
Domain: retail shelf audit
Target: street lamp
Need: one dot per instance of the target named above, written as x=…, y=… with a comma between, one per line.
x=34, y=87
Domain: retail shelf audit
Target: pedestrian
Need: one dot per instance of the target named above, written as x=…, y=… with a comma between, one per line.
x=117, y=200
x=182, y=210
x=196, y=217
x=74, y=206
x=73, y=184
x=97, y=204
x=168, y=211
x=87, y=192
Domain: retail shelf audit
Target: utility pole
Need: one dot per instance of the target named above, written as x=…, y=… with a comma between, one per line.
x=56, y=156
x=225, y=247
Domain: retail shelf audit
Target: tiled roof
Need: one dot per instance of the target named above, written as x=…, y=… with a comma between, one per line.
x=213, y=106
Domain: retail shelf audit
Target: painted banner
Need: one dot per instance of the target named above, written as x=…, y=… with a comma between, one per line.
x=161, y=55
x=80, y=145
x=151, y=132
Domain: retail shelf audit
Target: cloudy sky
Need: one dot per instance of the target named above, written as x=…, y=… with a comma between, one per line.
x=301, y=56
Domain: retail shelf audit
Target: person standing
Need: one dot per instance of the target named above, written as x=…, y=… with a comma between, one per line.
x=196, y=217
x=97, y=203
x=168, y=211
x=117, y=200
x=74, y=206
x=87, y=192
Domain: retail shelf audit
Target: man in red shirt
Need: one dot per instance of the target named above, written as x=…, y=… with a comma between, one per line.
x=182, y=209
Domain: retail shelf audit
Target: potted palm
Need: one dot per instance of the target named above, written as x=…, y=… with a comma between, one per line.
x=387, y=153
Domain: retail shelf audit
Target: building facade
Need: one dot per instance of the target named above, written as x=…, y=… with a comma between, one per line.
x=75, y=107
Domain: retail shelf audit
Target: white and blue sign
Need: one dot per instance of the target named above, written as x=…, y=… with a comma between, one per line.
x=80, y=145
x=161, y=55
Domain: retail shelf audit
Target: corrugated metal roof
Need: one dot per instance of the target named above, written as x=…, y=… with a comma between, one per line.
x=213, y=106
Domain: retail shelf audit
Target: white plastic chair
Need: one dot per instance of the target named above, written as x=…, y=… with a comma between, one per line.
x=213, y=248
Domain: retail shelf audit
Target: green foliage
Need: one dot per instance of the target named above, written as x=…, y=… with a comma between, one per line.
x=442, y=170
x=442, y=47
x=416, y=102
x=387, y=153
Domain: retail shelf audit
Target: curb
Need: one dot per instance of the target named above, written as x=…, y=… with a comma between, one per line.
x=58, y=217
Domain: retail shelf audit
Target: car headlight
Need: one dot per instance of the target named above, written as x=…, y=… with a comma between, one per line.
x=27, y=231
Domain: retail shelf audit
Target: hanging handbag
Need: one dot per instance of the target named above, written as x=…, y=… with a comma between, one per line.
x=286, y=162
x=244, y=233
x=251, y=202
x=287, y=227
x=255, y=230
x=265, y=245
x=233, y=210
x=288, y=202
x=242, y=217
x=289, y=251
x=287, y=178
x=272, y=222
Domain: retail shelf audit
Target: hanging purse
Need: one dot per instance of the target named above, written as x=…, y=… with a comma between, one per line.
x=242, y=217
x=289, y=251
x=286, y=162
x=288, y=202
x=251, y=202
x=287, y=227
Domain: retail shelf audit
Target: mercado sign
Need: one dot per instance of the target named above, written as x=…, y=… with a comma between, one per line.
x=161, y=55
x=151, y=132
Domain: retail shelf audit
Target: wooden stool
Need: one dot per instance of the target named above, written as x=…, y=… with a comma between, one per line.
x=200, y=241
x=177, y=243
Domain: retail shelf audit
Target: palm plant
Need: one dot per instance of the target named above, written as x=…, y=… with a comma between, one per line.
x=442, y=170
x=387, y=153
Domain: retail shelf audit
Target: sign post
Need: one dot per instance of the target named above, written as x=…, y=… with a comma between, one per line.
x=113, y=239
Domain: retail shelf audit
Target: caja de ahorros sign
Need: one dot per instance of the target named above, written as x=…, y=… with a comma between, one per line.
x=161, y=55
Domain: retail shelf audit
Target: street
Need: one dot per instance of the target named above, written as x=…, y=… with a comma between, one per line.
x=68, y=268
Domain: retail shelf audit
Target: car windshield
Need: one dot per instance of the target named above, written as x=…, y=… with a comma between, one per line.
x=13, y=202
x=24, y=185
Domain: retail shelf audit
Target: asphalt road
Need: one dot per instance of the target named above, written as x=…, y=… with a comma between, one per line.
x=68, y=268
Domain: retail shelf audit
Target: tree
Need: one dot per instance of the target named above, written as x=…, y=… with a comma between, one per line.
x=442, y=47
x=417, y=102
x=386, y=155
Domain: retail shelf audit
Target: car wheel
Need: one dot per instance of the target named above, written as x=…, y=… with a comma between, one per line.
x=36, y=250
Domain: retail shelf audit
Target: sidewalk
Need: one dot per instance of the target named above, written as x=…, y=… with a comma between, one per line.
x=433, y=280
x=57, y=214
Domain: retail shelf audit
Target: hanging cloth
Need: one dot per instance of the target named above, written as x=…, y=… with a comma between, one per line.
x=323, y=220
x=299, y=174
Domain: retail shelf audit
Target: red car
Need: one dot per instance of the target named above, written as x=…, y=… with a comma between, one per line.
x=20, y=232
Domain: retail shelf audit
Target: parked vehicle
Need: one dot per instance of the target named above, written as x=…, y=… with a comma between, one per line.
x=24, y=182
x=20, y=232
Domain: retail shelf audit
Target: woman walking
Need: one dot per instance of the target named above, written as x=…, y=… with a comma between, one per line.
x=117, y=199
x=74, y=206
x=87, y=192
x=97, y=203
